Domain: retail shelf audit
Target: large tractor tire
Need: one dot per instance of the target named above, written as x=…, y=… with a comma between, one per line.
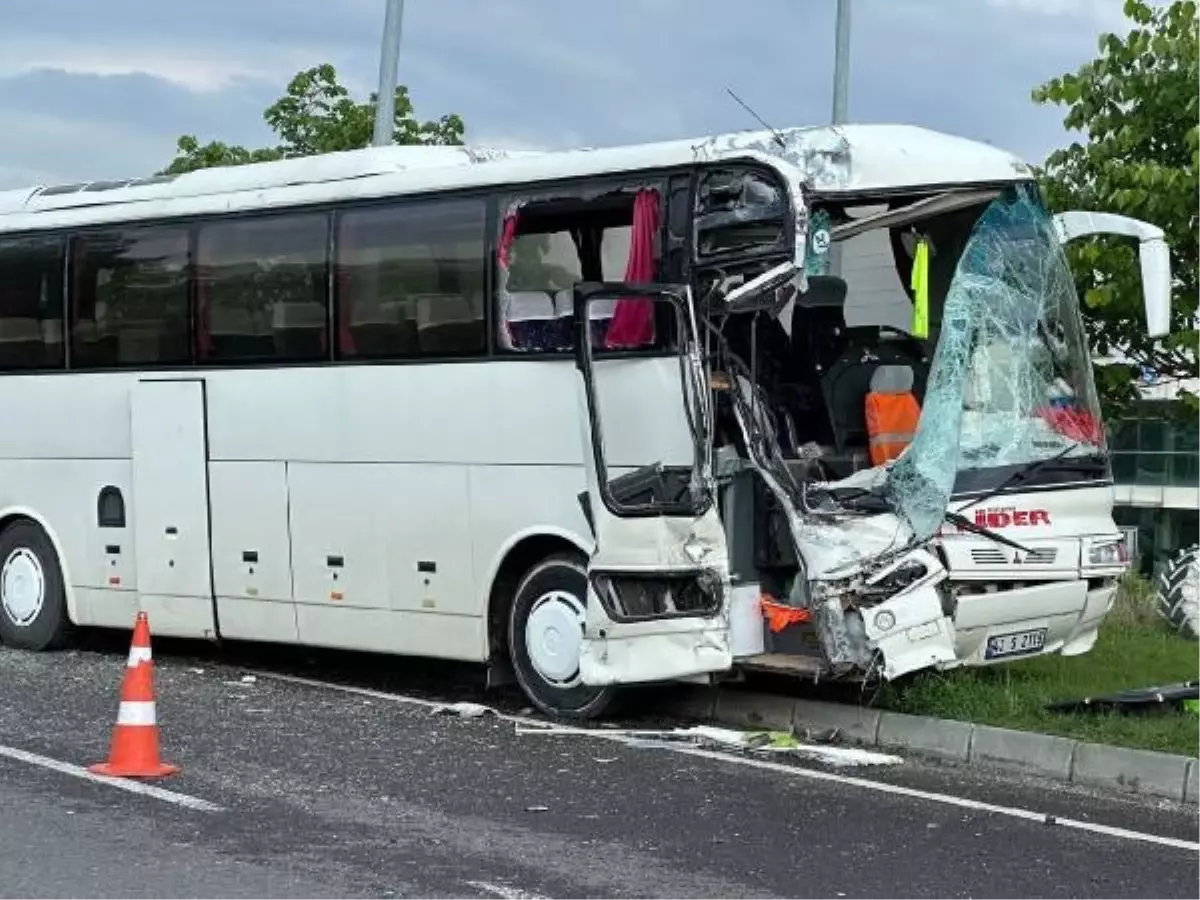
x=1179, y=592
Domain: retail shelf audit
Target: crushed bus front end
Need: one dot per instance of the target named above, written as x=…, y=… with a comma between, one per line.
x=987, y=534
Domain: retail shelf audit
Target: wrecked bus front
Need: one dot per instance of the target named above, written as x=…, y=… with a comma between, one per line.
x=990, y=535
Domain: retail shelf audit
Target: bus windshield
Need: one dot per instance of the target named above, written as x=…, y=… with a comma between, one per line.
x=1011, y=379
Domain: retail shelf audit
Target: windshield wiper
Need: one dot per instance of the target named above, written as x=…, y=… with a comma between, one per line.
x=1036, y=466
x=967, y=525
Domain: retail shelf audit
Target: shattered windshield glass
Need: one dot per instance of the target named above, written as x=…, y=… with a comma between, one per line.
x=1011, y=379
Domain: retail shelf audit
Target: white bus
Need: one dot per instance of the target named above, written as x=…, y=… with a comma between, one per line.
x=569, y=414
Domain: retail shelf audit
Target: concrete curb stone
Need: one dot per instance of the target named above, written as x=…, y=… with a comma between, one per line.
x=1138, y=771
x=856, y=723
x=753, y=710
x=1044, y=754
x=1144, y=772
x=937, y=737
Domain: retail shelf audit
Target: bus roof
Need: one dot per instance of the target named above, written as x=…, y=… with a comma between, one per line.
x=854, y=159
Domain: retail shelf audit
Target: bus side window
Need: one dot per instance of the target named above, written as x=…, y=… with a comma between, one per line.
x=409, y=280
x=261, y=290
x=129, y=303
x=31, y=299
x=547, y=246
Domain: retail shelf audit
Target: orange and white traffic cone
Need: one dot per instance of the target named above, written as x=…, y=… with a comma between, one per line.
x=134, y=749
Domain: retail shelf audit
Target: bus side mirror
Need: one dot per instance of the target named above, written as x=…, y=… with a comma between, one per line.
x=1153, y=255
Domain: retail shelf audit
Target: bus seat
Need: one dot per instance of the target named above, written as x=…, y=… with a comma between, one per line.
x=601, y=312
x=892, y=412
x=236, y=334
x=815, y=343
x=93, y=345
x=21, y=343
x=383, y=328
x=818, y=320
x=52, y=341
x=530, y=318
x=450, y=323
x=299, y=329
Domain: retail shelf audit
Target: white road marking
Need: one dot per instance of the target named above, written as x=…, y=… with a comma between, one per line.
x=792, y=771
x=834, y=756
x=503, y=890
x=948, y=799
x=361, y=691
x=134, y=787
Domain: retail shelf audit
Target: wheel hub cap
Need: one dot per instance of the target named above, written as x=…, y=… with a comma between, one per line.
x=22, y=586
x=554, y=637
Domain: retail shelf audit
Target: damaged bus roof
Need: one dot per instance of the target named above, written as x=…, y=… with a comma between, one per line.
x=855, y=159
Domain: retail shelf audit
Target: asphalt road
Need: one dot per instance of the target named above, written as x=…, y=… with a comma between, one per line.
x=322, y=792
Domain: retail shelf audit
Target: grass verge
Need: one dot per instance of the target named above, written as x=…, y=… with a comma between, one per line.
x=1134, y=650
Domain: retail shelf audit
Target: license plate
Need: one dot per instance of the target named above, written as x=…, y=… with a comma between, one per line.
x=1015, y=644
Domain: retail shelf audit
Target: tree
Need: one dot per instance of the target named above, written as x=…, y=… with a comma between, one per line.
x=1138, y=104
x=317, y=115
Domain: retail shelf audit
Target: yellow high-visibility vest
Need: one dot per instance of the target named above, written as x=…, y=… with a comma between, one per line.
x=920, y=288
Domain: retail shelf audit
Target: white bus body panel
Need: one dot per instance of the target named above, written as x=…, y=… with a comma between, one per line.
x=391, y=467
x=252, y=554
x=170, y=505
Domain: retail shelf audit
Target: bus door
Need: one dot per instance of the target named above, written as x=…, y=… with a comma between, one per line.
x=170, y=506
x=658, y=577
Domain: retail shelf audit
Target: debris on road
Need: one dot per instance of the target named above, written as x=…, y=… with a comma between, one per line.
x=710, y=737
x=465, y=709
x=1171, y=696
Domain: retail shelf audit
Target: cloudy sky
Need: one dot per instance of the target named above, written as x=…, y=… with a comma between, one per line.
x=102, y=88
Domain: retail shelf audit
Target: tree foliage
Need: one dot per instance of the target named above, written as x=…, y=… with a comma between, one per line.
x=1137, y=104
x=317, y=115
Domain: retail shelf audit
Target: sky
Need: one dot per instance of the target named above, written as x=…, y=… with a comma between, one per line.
x=93, y=90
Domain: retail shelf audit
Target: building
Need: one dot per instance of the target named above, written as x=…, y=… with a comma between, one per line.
x=1156, y=466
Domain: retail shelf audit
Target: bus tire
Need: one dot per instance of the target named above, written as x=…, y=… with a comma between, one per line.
x=33, y=602
x=545, y=631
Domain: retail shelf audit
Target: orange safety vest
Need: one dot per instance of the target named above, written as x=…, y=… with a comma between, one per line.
x=891, y=423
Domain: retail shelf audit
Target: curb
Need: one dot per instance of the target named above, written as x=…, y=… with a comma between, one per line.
x=1144, y=772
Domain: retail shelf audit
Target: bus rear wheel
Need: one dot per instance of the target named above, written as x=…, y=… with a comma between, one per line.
x=33, y=603
x=545, y=636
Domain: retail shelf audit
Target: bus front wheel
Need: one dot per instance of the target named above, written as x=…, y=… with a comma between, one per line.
x=33, y=607
x=545, y=636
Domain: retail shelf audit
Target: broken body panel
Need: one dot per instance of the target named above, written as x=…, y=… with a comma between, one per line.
x=990, y=537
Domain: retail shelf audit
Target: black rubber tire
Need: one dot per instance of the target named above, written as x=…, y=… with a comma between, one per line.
x=562, y=572
x=1177, y=590
x=51, y=627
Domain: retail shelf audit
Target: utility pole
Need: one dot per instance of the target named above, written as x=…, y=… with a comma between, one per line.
x=841, y=64
x=841, y=97
x=389, y=58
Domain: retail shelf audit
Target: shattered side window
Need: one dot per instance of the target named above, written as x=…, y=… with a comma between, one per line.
x=1011, y=380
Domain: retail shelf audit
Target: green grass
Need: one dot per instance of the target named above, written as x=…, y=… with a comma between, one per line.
x=1135, y=649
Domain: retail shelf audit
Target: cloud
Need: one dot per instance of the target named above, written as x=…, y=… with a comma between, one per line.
x=529, y=73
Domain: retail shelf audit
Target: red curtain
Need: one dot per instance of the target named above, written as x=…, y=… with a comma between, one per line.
x=633, y=320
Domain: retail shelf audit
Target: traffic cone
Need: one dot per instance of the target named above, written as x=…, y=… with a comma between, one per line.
x=134, y=749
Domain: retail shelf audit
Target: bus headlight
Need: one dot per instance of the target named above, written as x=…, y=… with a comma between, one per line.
x=1113, y=553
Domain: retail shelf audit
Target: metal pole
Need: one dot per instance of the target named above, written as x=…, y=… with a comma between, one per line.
x=389, y=58
x=841, y=97
x=841, y=64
